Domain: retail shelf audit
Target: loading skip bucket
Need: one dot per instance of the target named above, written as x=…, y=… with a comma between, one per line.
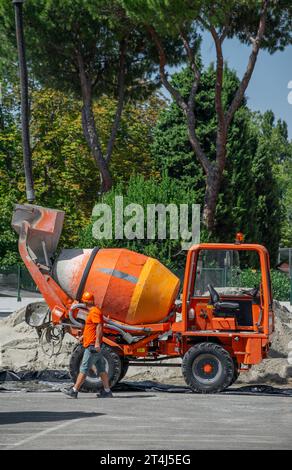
x=45, y=228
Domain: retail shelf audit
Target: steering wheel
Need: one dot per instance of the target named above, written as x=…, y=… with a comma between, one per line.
x=252, y=292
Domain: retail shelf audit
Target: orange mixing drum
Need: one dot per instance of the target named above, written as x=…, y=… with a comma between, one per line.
x=127, y=286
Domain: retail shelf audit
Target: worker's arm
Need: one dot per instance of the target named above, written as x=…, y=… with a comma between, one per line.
x=99, y=335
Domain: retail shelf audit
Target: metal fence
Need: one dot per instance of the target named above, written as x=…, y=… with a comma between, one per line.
x=285, y=264
x=16, y=281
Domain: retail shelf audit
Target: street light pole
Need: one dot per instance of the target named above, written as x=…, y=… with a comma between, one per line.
x=27, y=162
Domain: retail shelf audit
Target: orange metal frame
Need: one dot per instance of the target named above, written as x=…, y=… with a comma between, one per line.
x=249, y=347
x=190, y=271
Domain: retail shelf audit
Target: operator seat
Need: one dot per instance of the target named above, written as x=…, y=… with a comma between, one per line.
x=222, y=309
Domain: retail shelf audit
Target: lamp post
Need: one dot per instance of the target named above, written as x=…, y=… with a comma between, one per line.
x=18, y=4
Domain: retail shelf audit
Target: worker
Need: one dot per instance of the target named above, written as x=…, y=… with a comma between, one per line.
x=92, y=339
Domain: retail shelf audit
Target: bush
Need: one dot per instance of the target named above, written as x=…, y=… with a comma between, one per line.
x=281, y=283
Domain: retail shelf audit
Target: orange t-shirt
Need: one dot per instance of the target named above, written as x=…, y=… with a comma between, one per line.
x=94, y=317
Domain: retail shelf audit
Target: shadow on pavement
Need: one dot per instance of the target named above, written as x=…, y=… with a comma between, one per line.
x=16, y=417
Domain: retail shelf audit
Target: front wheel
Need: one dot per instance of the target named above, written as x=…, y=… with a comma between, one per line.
x=93, y=382
x=236, y=373
x=208, y=368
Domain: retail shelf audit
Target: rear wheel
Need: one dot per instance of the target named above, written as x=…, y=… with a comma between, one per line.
x=93, y=382
x=208, y=368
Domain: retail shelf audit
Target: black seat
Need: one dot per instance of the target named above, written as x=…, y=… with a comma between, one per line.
x=222, y=309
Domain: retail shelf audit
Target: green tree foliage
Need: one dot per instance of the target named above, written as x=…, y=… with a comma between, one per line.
x=249, y=199
x=171, y=147
x=131, y=153
x=283, y=151
x=65, y=175
x=268, y=209
x=241, y=16
x=64, y=172
x=11, y=183
x=286, y=185
x=87, y=48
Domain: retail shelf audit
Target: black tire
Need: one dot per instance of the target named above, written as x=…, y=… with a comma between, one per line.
x=236, y=373
x=93, y=382
x=219, y=363
x=124, y=368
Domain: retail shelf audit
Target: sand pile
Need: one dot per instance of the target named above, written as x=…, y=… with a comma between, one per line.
x=275, y=369
x=20, y=350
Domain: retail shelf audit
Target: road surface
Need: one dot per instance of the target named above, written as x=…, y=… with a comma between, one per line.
x=144, y=420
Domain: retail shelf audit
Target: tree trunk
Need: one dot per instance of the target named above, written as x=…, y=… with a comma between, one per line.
x=89, y=129
x=213, y=182
x=121, y=100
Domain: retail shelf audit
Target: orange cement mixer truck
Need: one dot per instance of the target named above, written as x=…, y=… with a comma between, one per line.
x=214, y=327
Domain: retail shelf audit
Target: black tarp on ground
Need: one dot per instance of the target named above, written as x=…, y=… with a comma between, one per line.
x=33, y=381
x=48, y=374
x=56, y=380
x=147, y=386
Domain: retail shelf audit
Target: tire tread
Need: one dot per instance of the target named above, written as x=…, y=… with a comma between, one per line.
x=218, y=351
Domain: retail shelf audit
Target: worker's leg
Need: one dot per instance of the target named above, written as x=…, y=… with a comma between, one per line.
x=100, y=365
x=105, y=379
x=86, y=363
x=79, y=381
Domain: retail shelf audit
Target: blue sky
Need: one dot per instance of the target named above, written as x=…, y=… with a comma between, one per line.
x=268, y=88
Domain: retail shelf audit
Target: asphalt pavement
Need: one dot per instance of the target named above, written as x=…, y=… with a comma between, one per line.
x=144, y=420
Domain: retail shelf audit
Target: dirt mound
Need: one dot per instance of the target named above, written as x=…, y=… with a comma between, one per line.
x=275, y=369
x=21, y=349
